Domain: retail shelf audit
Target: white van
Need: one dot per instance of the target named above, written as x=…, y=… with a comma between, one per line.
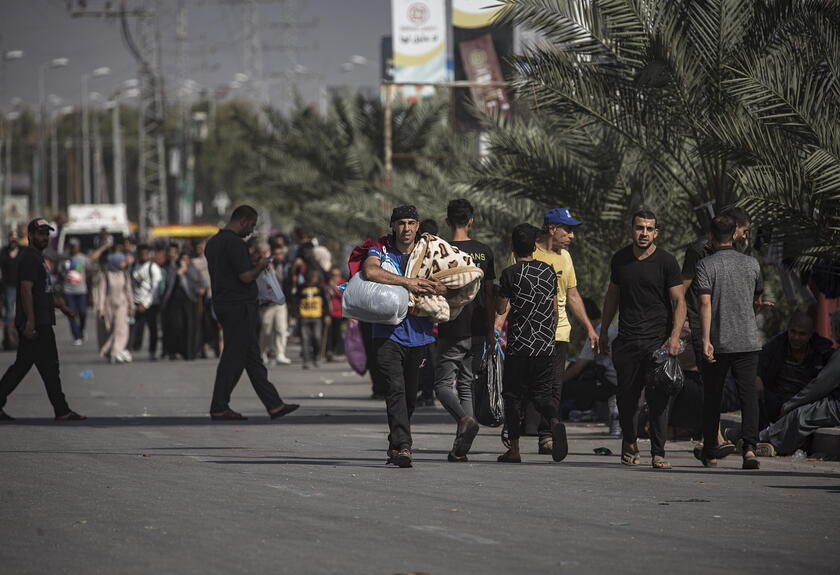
x=86, y=221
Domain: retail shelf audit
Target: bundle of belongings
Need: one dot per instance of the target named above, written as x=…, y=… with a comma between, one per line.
x=432, y=257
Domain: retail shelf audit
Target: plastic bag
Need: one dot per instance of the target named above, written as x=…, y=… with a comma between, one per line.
x=666, y=374
x=354, y=347
x=374, y=302
x=487, y=390
x=269, y=288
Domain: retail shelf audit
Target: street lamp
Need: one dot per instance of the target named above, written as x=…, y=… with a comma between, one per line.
x=129, y=90
x=39, y=189
x=96, y=73
x=5, y=163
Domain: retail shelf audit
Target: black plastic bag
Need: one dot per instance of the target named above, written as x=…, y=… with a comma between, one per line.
x=487, y=390
x=665, y=374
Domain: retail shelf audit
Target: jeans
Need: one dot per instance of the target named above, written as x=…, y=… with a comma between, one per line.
x=311, y=331
x=43, y=354
x=240, y=326
x=458, y=360
x=78, y=302
x=632, y=360
x=744, y=367
x=399, y=367
x=561, y=350
x=533, y=377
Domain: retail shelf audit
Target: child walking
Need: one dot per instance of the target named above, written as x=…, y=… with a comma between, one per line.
x=529, y=288
x=314, y=314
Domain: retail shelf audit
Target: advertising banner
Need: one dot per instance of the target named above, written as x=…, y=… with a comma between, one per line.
x=473, y=13
x=419, y=40
x=482, y=65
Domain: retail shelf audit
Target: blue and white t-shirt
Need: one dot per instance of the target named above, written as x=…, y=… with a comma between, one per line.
x=413, y=331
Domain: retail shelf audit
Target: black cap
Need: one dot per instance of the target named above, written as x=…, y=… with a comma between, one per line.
x=40, y=224
x=404, y=213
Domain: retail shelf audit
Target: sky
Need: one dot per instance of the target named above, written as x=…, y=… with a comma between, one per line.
x=330, y=33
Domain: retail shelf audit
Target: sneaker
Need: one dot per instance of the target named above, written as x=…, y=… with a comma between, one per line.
x=401, y=458
x=305, y=366
x=78, y=342
x=577, y=416
x=70, y=416
x=282, y=360
x=546, y=446
x=765, y=450
x=264, y=358
x=152, y=357
x=615, y=426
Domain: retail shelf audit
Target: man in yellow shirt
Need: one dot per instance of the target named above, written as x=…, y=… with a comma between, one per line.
x=552, y=248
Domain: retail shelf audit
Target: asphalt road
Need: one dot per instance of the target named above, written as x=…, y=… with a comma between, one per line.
x=149, y=484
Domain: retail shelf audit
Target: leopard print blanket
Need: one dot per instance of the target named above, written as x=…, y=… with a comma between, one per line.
x=435, y=258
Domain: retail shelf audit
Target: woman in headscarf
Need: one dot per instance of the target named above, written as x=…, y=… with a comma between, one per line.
x=114, y=306
x=181, y=302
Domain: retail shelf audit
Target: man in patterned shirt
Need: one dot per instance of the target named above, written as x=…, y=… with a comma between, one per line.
x=529, y=289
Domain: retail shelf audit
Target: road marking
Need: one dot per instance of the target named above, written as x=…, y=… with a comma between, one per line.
x=456, y=535
x=294, y=491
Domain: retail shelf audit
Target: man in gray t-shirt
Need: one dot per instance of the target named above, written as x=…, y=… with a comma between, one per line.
x=729, y=286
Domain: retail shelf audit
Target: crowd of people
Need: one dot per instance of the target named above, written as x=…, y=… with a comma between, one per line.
x=240, y=297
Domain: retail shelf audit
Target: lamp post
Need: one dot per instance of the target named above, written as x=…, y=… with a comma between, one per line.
x=97, y=73
x=56, y=102
x=6, y=189
x=5, y=134
x=39, y=189
x=129, y=90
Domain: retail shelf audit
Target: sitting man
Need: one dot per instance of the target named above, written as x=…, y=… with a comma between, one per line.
x=591, y=377
x=816, y=405
x=787, y=363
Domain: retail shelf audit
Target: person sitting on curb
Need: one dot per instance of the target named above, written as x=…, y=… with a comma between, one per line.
x=816, y=405
x=788, y=362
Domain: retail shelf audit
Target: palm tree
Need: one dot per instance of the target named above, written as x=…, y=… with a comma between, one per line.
x=680, y=104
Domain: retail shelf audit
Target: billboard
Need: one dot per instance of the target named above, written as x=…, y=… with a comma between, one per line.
x=473, y=13
x=419, y=40
x=482, y=65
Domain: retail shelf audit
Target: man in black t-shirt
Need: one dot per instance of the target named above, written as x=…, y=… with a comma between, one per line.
x=529, y=289
x=233, y=282
x=461, y=342
x=34, y=320
x=645, y=286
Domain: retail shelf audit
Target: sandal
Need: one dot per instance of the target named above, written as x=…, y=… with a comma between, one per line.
x=659, y=462
x=506, y=457
x=630, y=454
x=751, y=462
x=559, y=442
x=701, y=456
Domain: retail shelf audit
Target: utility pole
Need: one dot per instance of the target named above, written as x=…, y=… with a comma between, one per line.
x=144, y=44
x=185, y=192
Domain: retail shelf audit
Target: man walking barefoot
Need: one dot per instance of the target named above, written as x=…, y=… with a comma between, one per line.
x=34, y=320
x=235, y=302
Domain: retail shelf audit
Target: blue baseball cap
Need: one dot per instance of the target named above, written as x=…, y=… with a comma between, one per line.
x=560, y=216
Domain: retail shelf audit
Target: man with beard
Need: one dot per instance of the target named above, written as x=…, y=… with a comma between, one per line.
x=645, y=286
x=235, y=292
x=34, y=320
x=400, y=349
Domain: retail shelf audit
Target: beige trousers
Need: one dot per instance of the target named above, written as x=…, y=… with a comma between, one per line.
x=274, y=325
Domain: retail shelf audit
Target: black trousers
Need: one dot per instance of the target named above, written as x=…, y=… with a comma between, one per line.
x=532, y=377
x=378, y=384
x=561, y=350
x=399, y=367
x=744, y=367
x=632, y=360
x=141, y=320
x=240, y=325
x=43, y=354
